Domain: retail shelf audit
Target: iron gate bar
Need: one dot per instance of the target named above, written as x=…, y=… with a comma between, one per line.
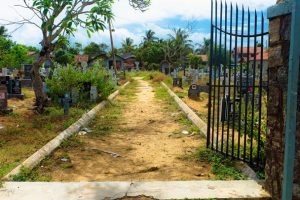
x=240, y=104
x=260, y=90
x=234, y=89
x=241, y=35
x=253, y=90
x=230, y=73
x=224, y=72
x=219, y=74
x=215, y=75
x=229, y=77
x=210, y=75
x=247, y=85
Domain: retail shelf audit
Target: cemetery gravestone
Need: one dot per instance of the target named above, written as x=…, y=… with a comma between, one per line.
x=26, y=80
x=27, y=71
x=137, y=64
x=93, y=93
x=3, y=100
x=4, y=72
x=75, y=95
x=66, y=102
x=15, y=89
x=177, y=82
x=194, y=92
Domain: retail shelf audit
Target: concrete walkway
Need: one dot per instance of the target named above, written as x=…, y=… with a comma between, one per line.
x=113, y=190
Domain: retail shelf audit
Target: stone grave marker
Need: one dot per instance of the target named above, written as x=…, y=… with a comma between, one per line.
x=194, y=92
x=113, y=77
x=5, y=72
x=3, y=100
x=74, y=95
x=194, y=76
x=27, y=71
x=15, y=89
x=137, y=64
x=177, y=82
x=93, y=93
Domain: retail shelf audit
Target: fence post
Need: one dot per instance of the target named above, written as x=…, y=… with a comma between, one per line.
x=281, y=99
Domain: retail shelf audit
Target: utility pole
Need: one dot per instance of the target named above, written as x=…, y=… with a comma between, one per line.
x=112, y=47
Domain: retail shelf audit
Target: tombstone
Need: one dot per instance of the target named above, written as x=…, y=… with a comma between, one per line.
x=194, y=76
x=74, y=95
x=93, y=93
x=225, y=109
x=27, y=71
x=177, y=82
x=3, y=100
x=5, y=72
x=194, y=92
x=137, y=64
x=26, y=80
x=113, y=77
x=15, y=89
x=66, y=103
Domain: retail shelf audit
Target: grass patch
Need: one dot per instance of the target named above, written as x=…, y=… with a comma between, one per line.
x=108, y=119
x=171, y=106
x=222, y=167
x=25, y=132
x=71, y=142
x=26, y=175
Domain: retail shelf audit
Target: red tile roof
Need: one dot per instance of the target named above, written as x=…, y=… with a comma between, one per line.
x=81, y=58
x=258, y=56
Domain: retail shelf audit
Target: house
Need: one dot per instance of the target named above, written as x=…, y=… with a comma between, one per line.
x=259, y=58
x=125, y=61
x=129, y=61
x=119, y=61
x=260, y=61
x=82, y=60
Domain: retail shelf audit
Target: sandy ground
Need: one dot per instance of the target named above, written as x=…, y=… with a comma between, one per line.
x=148, y=151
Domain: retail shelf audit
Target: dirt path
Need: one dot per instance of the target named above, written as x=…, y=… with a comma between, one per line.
x=144, y=139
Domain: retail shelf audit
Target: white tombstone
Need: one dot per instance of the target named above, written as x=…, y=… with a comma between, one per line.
x=4, y=71
x=93, y=93
x=137, y=64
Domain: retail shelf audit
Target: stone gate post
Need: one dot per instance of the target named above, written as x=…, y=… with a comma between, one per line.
x=280, y=32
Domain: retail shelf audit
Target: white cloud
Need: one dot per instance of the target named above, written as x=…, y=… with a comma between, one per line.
x=185, y=9
x=126, y=18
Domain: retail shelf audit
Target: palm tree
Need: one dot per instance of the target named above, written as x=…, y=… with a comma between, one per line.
x=179, y=46
x=149, y=37
x=3, y=32
x=127, y=45
x=203, y=48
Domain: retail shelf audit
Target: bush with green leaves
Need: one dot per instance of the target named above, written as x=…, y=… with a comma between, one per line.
x=68, y=78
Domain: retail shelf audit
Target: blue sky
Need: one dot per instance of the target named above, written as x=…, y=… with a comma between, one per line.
x=161, y=17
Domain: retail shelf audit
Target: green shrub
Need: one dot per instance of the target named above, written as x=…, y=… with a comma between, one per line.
x=70, y=77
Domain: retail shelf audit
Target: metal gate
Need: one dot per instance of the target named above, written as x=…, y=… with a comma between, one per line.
x=238, y=80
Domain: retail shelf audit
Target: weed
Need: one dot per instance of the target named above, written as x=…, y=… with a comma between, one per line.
x=71, y=142
x=222, y=167
x=27, y=174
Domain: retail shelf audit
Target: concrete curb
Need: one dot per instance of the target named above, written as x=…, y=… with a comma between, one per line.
x=113, y=190
x=46, y=150
x=188, y=111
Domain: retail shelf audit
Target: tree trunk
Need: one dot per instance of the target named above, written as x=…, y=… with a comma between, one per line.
x=40, y=97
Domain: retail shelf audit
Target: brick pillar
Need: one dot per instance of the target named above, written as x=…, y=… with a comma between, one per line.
x=278, y=80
